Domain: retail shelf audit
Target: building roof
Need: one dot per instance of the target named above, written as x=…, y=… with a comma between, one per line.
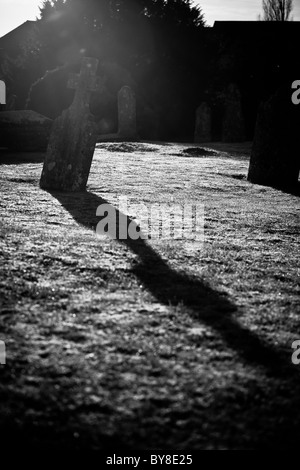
x=12, y=41
x=255, y=24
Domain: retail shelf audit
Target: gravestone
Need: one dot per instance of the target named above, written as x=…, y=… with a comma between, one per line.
x=24, y=130
x=127, y=130
x=203, y=124
x=275, y=157
x=74, y=134
x=127, y=113
x=233, y=128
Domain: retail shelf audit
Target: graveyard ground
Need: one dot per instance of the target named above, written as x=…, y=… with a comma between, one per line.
x=148, y=345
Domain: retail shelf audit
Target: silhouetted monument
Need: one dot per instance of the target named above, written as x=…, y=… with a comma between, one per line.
x=275, y=157
x=233, y=129
x=203, y=123
x=74, y=134
x=24, y=130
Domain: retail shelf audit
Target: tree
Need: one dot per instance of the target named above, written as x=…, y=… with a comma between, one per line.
x=277, y=10
x=159, y=44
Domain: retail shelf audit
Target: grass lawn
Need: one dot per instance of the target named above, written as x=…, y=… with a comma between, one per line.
x=148, y=344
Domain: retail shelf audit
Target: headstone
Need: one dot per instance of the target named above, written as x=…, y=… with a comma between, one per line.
x=127, y=113
x=275, y=157
x=74, y=134
x=127, y=129
x=233, y=128
x=203, y=124
x=24, y=130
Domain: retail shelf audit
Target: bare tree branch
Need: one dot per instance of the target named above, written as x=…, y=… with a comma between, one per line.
x=277, y=10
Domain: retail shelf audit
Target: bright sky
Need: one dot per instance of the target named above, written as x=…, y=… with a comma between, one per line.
x=15, y=12
x=227, y=10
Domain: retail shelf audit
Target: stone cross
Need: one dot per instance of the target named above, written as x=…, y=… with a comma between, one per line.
x=127, y=113
x=73, y=138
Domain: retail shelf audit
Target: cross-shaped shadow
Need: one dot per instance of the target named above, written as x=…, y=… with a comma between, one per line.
x=172, y=288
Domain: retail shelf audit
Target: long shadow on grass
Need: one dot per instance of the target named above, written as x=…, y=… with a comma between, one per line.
x=293, y=190
x=172, y=288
